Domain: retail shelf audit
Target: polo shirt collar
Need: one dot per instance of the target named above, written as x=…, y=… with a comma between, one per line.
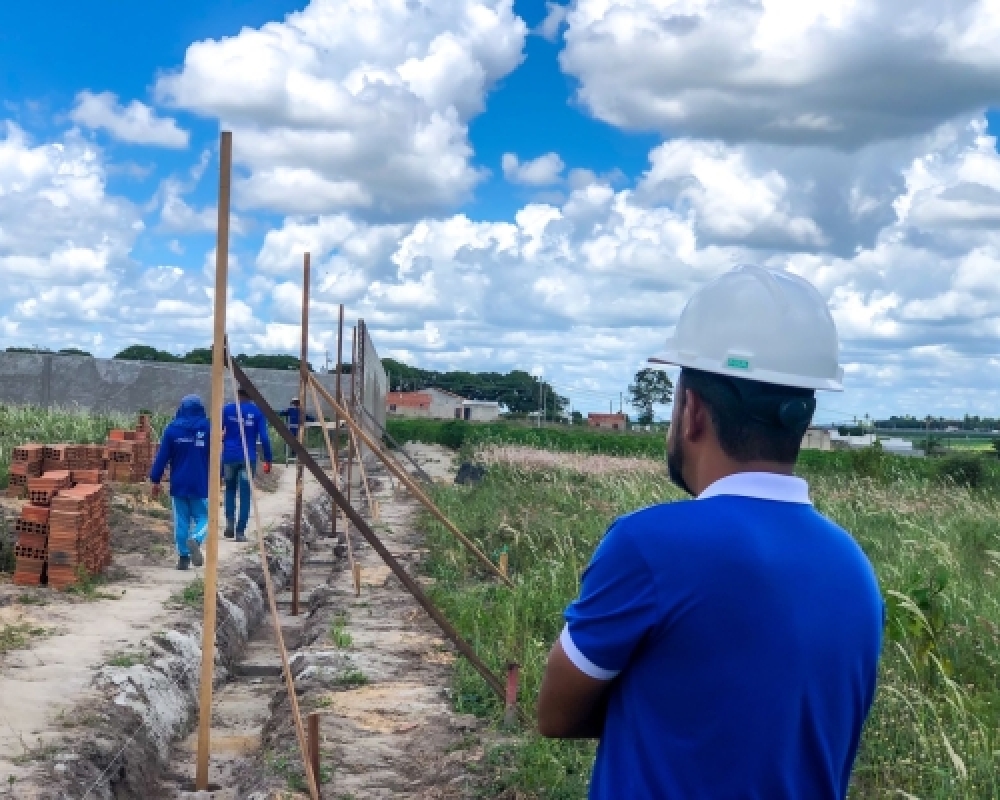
x=760, y=485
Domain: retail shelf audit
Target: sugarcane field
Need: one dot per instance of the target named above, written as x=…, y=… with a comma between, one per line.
x=500, y=399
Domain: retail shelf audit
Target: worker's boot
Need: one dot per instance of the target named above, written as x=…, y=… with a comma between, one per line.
x=195, y=549
x=230, y=530
x=241, y=536
x=184, y=562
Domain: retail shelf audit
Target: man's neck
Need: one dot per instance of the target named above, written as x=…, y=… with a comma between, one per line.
x=722, y=467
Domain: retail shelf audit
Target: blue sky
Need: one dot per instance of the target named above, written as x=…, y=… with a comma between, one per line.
x=492, y=186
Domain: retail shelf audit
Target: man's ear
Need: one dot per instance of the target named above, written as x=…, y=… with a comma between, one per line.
x=696, y=418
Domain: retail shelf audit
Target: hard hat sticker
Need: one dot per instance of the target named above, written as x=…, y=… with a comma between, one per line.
x=738, y=363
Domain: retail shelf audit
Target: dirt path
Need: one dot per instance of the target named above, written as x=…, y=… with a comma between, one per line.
x=396, y=735
x=376, y=668
x=40, y=685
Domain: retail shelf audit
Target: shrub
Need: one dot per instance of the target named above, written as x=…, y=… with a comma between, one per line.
x=962, y=470
x=869, y=462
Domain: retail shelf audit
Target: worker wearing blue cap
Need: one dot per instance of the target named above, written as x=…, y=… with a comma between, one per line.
x=184, y=448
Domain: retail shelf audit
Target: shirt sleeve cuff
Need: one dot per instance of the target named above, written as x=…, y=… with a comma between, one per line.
x=581, y=662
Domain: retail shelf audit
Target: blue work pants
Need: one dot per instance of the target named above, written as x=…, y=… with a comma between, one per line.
x=190, y=520
x=235, y=476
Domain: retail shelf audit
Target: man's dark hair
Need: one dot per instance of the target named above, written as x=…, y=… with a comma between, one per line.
x=241, y=392
x=754, y=421
x=294, y=401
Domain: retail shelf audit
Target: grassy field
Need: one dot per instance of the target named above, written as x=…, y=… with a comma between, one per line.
x=21, y=424
x=935, y=728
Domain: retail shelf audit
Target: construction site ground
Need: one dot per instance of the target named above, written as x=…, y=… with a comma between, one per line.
x=374, y=664
x=70, y=635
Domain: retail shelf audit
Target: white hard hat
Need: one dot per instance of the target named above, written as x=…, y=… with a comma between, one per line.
x=761, y=325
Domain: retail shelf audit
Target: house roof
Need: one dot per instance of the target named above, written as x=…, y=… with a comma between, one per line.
x=605, y=417
x=444, y=392
x=408, y=399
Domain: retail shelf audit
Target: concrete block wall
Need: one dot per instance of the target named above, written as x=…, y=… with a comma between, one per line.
x=104, y=384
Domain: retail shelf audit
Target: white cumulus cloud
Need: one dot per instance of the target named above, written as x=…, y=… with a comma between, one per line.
x=843, y=72
x=354, y=105
x=542, y=171
x=136, y=123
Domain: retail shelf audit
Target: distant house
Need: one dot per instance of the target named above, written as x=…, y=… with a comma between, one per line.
x=615, y=422
x=408, y=404
x=440, y=404
x=817, y=439
x=480, y=410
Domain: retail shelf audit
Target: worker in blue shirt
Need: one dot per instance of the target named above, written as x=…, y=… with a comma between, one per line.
x=184, y=448
x=293, y=418
x=234, y=471
x=727, y=647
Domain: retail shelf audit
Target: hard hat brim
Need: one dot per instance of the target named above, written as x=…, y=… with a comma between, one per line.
x=762, y=375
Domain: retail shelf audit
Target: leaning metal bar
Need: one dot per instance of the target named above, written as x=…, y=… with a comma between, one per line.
x=411, y=585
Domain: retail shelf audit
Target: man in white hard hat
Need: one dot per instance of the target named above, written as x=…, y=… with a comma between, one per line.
x=728, y=647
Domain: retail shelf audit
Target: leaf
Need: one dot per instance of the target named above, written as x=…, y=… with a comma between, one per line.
x=956, y=760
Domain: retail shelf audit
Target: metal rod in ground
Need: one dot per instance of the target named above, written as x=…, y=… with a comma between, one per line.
x=381, y=431
x=510, y=701
x=313, y=719
x=215, y=457
x=329, y=450
x=354, y=396
x=336, y=419
x=279, y=427
x=411, y=485
x=303, y=404
x=286, y=670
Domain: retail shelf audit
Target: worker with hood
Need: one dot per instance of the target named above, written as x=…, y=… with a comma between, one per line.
x=184, y=448
x=727, y=647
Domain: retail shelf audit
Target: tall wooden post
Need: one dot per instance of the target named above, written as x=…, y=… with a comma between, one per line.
x=303, y=379
x=215, y=460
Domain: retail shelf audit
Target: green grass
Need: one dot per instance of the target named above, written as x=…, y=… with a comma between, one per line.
x=191, y=596
x=338, y=633
x=352, y=678
x=128, y=659
x=934, y=732
x=18, y=636
x=578, y=439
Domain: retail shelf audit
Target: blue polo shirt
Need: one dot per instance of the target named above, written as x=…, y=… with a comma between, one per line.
x=742, y=632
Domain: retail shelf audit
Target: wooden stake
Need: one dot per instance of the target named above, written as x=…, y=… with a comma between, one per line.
x=503, y=563
x=356, y=570
x=415, y=490
x=214, y=460
x=313, y=720
x=510, y=700
x=303, y=381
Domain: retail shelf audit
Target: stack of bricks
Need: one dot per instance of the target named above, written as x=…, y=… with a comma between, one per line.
x=130, y=453
x=27, y=461
x=62, y=531
x=79, y=534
